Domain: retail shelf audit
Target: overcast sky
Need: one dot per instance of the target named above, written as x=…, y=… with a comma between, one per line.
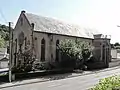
x=103, y=15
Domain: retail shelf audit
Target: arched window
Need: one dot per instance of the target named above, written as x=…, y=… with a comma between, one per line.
x=57, y=50
x=43, y=49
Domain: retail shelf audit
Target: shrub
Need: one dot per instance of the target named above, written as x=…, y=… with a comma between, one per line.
x=110, y=83
x=2, y=42
x=67, y=62
x=45, y=66
x=27, y=66
x=41, y=66
x=75, y=53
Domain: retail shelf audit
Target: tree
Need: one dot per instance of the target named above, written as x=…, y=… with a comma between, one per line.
x=116, y=44
x=2, y=42
x=112, y=46
x=27, y=66
x=75, y=51
x=4, y=32
x=4, y=35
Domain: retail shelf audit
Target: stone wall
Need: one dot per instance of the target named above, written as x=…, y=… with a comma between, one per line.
x=50, y=51
x=102, y=50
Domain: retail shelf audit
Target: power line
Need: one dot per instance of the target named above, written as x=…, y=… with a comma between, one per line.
x=3, y=16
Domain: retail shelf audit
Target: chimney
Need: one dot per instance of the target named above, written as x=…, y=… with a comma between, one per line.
x=32, y=24
x=23, y=11
x=96, y=36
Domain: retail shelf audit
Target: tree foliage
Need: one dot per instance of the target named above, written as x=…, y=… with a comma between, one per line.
x=4, y=32
x=2, y=42
x=116, y=44
x=109, y=83
x=27, y=66
x=76, y=50
x=4, y=35
x=112, y=46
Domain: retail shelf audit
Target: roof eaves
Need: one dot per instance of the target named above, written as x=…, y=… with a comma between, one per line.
x=62, y=34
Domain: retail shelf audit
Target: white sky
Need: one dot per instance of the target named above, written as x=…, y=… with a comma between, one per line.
x=103, y=15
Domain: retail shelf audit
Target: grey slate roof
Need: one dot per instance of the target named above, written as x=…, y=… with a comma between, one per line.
x=4, y=59
x=50, y=25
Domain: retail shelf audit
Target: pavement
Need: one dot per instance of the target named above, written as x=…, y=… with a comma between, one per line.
x=114, y=62
x=60, y=77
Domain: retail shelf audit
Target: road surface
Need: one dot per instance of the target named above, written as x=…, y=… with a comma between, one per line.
x=74, y=83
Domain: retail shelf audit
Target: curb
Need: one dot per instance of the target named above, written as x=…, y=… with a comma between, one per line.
x=107, y=69
x=92, y=72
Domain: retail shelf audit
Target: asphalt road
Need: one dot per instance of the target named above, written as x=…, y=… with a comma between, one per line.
x=75, y=83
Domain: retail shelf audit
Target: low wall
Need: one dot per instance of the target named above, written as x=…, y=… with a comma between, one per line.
x=113, y=53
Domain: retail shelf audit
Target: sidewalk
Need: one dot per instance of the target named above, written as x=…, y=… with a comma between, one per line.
x=53, y=77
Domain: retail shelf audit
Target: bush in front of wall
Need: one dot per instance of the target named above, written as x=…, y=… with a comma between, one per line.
x=74, y=53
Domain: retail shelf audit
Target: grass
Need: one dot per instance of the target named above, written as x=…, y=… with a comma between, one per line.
x=3, y=74
x=109, y=83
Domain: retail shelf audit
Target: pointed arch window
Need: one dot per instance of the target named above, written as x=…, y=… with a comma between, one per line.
x=57, y=50
x=43, y=49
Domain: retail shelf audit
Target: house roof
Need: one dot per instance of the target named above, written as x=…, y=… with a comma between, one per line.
x=3, y=53
x=3, y=50
x=1, y=57
x=50, y=25
x=4, y=59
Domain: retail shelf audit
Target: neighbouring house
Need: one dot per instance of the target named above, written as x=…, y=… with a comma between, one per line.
x=118, y=53
x=4, y=62
x=114, y=53
x=4, y=58
x=43, y=34
x=115, y=57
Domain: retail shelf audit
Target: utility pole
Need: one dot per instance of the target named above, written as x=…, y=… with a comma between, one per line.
x=32, y=25
x=10, y=53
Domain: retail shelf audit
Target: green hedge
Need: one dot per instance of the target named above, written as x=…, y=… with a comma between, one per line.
x=110, y=83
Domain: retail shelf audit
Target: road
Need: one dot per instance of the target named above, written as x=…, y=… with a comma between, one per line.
x=74, y=83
